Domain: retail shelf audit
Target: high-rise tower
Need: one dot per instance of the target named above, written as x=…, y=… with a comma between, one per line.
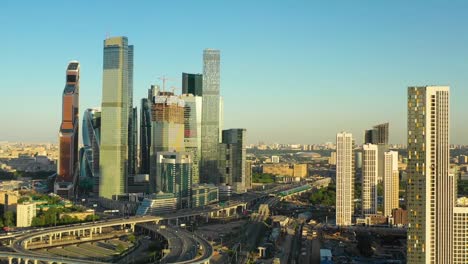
x=391, y=182
x=211, y=117
x=370, y=170
x=115, y=117
x=430, y=194
x=167, y=128
x=192, y=131
x=232, y=159
x=91, y=140
x=344, y=178
x=192, y=84
x=68, y=166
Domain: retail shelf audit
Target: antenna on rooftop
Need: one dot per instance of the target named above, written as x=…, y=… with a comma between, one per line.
x=164, y=79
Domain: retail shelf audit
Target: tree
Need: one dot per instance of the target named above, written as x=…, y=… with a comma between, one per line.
x=9, y=218
x=120, y=248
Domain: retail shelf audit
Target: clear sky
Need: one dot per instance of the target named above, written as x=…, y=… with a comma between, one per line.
x=291, y=71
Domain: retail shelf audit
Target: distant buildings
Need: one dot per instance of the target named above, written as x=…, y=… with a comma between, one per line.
x=285, y=169
x=67, y=174
x=369, y=179
x=344, y=178
x=275, y=159
x=145, y=135
x=232, y=159
x=116, y=108
x=211, y=117
x=430, y=193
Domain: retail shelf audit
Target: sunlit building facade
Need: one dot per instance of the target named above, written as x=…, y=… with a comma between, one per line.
x=344, y=178
x=370, y=171
x=68, y=166
x=167, y=128
x=211, y=117
x=116, y=109
x=430, y=192
x=192, y=131
x=391, y=183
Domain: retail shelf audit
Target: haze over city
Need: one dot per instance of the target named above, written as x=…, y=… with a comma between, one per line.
x=293, y=72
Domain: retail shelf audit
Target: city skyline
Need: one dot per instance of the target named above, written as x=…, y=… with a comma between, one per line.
x=326, y=63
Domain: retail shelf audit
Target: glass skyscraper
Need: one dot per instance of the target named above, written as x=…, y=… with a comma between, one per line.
x=192, y=130
x=211, y=117
x=67, y=175
x=174, y=175
x=232, y=159
x=116, y=108
x=89, y=160
x=192, y=84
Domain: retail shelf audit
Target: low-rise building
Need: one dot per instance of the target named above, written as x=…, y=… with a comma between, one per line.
x=158, y=204
x=24, y=214
x=203, y=194
x=284, y=169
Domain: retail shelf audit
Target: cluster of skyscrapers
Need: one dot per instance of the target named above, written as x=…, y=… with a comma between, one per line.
x=181, y=142
x=437, y=228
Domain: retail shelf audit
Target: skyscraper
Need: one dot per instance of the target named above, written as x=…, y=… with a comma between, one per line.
x=369, y=179
x=391, y=182
x=133, y=139
x=377, y=135
x=91, y=140
x=192, y=131
x=68, y=166
x=174, y=175
x=430, y=194
x=192, y=84
x=115, y=116
x=211, y=117
x=167, y=125
x=344, y=178
x=145, y=136
x=232, y=159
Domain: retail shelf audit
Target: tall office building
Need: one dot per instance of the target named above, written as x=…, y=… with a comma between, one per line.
x=115, y=117
x=145, y=136
x=377, y=135
x=344, y=178
x=211, y=117
x=68, y=166
x=391, y=187
x=91, y=141
x=145, y=129
x=133, y=139
x=167, y=128
x=192, y=84
x=192, y=131
x=430, y=194
x=232, y=159
x=174, y=175
x=370, y=170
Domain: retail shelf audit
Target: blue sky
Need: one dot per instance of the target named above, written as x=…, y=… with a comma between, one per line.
x=292, y=71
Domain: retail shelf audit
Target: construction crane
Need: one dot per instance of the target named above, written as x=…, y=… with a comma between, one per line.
x=164, y=79
x=173, y=89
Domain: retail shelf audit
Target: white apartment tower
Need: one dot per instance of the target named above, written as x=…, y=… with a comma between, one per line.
x=430, y=193
x=370, y=171
x=344, y=178
x=390, y=182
